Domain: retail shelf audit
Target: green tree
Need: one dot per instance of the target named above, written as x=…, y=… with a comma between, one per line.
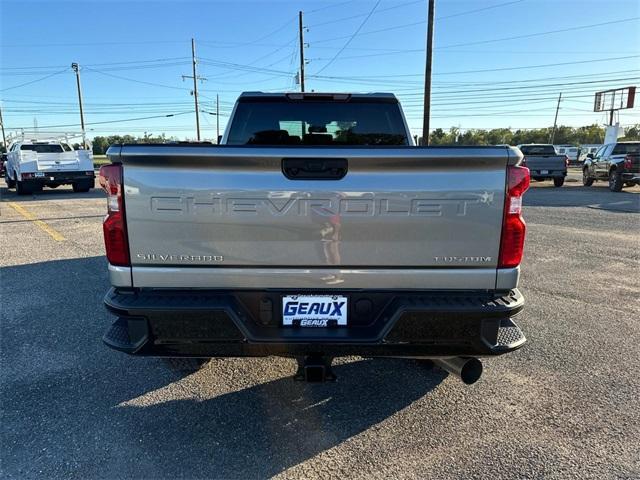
x=632, y=133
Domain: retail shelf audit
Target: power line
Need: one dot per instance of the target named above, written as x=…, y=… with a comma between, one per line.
x=136, y=81
x=468, y=12
x=416, y=84
x=87, y=44
x=243, y=67
x=252, y=42
x=34, y=81
x=529, y=80
x=281, y=59
x=538, y=34
x=500, y=91
x=112, y=121
x=351, y=17
x=502, y=69
x=330, y=6
x=482, y=42
x=128, y=65
x=491, y=94
x=550, y=96
x=350, y=38
x=279, y=29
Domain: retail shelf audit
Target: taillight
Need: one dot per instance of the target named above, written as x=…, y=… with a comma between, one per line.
x=114, y=227
x=566, y=160
x=628, y=164
x=513, y=226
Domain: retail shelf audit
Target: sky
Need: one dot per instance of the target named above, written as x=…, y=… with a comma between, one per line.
x=496, y=63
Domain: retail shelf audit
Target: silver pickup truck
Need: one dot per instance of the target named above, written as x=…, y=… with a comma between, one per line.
x=315, y=230
x=545, y=163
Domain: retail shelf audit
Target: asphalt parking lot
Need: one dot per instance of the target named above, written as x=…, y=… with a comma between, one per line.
x=564, y=406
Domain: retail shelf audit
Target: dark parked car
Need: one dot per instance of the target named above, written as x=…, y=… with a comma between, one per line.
x=618, y=163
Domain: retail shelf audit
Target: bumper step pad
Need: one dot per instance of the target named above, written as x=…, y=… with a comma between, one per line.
x=127, y=335
x=510, y=336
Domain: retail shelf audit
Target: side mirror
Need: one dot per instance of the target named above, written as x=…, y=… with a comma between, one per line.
x=219, y=138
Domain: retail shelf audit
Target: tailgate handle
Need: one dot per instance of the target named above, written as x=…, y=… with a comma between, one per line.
x=314, y=168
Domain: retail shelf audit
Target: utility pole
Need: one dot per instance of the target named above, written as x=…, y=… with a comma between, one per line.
x=4, y=138
x=427, y=75
x=195, y=85
x=76, y=68
x=217, y=118
x=301, y=36
x=555, y=121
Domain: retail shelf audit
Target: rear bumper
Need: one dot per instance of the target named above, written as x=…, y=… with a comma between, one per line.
x=549, y=174
x=248, y=323
x=58, y=178
x=631, y=177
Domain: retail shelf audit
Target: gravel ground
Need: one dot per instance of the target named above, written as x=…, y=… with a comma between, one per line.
x=564, y=406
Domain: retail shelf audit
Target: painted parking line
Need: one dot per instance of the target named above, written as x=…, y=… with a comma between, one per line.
x=52, y=232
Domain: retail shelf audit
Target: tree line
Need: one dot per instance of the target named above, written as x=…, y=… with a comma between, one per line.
x=592, y=134
x=101, y=144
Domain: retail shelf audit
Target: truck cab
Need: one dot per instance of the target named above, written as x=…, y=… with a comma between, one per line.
x=34, y=164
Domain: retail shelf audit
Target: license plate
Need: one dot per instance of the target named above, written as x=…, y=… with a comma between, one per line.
x=544, y=172
x=38, y=174
x=314, y=310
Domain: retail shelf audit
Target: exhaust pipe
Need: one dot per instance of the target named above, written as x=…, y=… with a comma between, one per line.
x=468, y=370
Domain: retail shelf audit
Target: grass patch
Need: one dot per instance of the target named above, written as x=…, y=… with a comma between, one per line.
x=99, y=160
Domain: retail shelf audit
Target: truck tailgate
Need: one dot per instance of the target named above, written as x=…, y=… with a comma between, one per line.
x=207, y=206
x=58, y=161
x=555, y=162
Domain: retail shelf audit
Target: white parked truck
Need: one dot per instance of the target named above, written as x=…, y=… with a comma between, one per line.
x=32, y=165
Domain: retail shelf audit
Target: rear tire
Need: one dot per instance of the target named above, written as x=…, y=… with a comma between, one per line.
x=10, y=183
x=22, y=189
x=186, y=364
x=615, y=181
x=587, y=181
x=558, y=181
x=82, y=187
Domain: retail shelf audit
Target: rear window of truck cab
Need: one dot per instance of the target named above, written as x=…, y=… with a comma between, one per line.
x=42, y=147
x=626, y=149
x=287, y=122
x=538, y=150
